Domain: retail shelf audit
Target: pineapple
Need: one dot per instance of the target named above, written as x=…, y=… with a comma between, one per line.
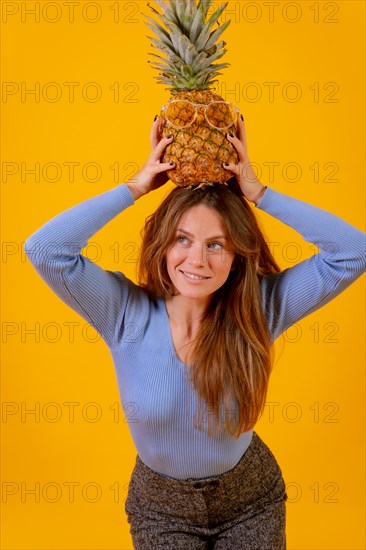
x=198, y=118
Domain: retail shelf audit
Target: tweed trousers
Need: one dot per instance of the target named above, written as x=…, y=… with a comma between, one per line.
x=243, y=508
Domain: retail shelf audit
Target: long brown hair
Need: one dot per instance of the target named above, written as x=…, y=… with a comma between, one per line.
x=232, y=349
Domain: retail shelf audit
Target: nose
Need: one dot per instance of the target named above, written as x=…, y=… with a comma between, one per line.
x=197, y=255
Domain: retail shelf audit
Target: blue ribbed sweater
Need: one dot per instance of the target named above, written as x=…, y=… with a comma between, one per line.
x=150, y=376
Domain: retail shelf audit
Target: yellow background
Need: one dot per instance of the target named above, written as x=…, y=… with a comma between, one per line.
x=316, y=393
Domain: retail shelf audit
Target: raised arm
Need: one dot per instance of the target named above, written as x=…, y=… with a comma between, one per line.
x=54, y=250
x=292, y=294
x=98, y=295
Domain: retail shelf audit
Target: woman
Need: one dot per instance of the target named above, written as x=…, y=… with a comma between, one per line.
x=192, y=342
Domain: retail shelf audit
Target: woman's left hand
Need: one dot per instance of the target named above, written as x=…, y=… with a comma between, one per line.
x=246, y=178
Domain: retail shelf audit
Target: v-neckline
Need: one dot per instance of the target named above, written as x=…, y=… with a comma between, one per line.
x=170, y=337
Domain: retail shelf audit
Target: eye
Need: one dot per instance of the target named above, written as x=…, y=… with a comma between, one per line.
x=182, y=239
x=215, y=246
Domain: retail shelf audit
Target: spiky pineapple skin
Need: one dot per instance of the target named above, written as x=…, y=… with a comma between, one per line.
x=200, y=150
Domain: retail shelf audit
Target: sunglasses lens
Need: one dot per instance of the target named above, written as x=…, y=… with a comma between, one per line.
x=180, y=113
x=221, y=115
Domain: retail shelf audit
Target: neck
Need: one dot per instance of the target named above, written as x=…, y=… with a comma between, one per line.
x=185, y=313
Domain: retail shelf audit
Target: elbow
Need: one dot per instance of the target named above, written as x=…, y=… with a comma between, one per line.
x=357, y=260
x=40, y=250
x=345, y=273
x=359, y=256
x=360, y=251
x=362, y=265
x=31, y=249
x=348, y=261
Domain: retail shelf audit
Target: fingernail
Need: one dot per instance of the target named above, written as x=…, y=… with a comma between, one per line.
x=170, y=136
x=226, y=164
x=156, y=116
x=241, y=116
x=172, y=163
x=231, y=135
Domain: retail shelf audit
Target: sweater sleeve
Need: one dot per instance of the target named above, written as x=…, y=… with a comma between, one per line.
x=98, y=295
x=297, y=291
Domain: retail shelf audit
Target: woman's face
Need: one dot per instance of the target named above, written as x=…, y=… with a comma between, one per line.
x=201, y=257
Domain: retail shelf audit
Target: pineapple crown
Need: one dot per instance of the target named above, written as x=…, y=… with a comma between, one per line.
x=189, y=44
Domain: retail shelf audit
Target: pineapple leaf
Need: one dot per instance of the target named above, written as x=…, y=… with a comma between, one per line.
x=216, y=55
x=196, y=27
x=172, y=9
x=210, y=71
x=189, y=11
x=180, y=8
x=173, y=58
x=187, y=44
x=204, y=6
x=190, y=54
x=171, y=24
x=175, y=41
x=219, y=66
x=153, y=9
x=163, y=41
x=157, y=66
x=163, y=34
x=204, y=81
x=205, y=34
x=159, y=30
x=167, y=62
x=186, y=50
x=214, y=17
x=169, y=14
x=199, y=62
x=203, y=61
x=186, y=71
x=159, y=45
x=211, y=68
x=217, y=46
x=164, y=67
x=173, y=29
x=215, y=35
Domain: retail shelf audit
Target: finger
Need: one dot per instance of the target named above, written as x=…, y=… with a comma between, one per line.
x=239, y=146
x=154, y=134
x=231, y=167
x=160, y=147
x=164, y=166
x=241, y=131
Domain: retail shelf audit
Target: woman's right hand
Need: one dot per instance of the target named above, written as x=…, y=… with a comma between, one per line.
x=153, y=173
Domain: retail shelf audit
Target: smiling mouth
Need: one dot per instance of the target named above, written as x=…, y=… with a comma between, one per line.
x=193, y=277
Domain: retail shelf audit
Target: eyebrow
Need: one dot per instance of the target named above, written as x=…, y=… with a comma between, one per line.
x=209, y=239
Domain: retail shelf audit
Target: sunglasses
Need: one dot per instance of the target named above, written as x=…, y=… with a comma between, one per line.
x=182, y=113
